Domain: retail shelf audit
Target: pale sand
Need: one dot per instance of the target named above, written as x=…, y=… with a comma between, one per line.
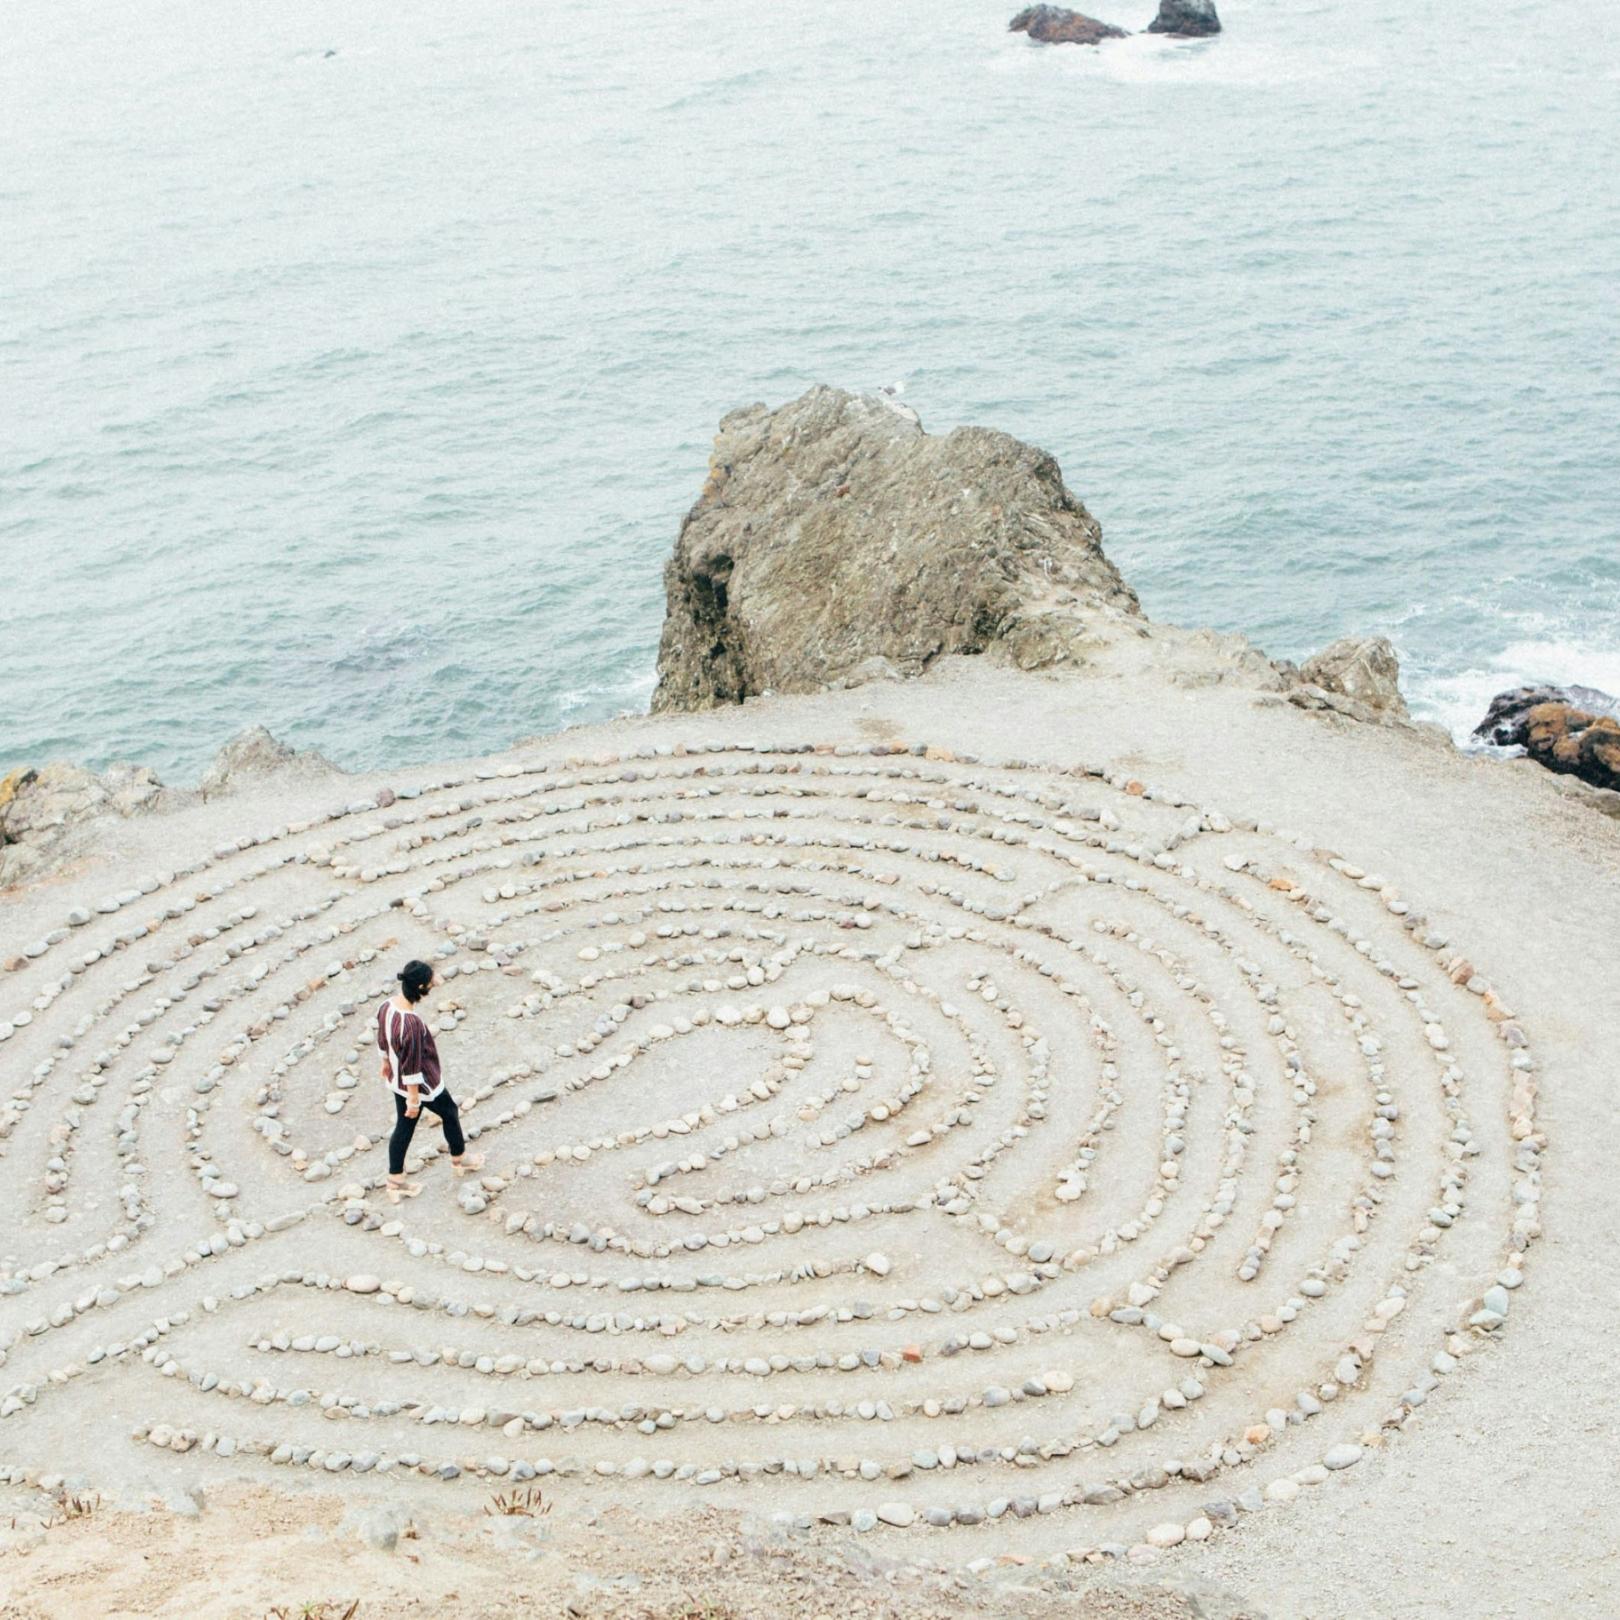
x=279, y=1552
x=1489, y=1500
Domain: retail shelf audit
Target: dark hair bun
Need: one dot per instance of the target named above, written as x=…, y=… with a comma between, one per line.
x=415, y=977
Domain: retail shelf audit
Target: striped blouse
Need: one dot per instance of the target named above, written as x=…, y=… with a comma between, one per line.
x=407, y=1044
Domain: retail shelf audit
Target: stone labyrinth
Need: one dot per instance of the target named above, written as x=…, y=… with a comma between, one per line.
x=922, y=1142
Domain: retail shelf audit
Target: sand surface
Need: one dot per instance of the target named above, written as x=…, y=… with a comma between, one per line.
x=1102, y=1126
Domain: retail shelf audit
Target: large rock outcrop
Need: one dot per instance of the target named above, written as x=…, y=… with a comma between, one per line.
x=49, y=815
x=1579, y=741
x=1363, y=669
x=834, y=538
x=41, y=810
x=254, y=753
x=1186, y=19
x=1053, y=25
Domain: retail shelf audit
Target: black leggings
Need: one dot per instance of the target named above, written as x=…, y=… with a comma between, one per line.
x=444, y=1105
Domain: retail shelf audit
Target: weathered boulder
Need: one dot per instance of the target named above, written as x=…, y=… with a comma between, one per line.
x=1573, y=741
x=1186, y=19
x=1363, y=669
x=834, y=532
x=1505, y=719
x=41, y=810
x=255, y=753
x=1053, y=25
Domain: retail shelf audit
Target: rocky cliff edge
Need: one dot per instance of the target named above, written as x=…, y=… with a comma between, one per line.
x=834, y=535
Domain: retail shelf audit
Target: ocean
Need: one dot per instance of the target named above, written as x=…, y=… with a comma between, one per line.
x=357, y=364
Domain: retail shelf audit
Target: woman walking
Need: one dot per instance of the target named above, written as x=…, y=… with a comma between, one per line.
x=411, y=1067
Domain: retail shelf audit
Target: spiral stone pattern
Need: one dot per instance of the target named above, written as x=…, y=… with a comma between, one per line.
x=1010, y=1157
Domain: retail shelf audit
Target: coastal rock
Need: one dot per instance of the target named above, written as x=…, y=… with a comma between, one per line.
x=255, y=753
x=42, y=810
x=1186, y=19
x=1363, y=669
x=1504, y=721
x=1053, y=25
x=1571, y=741
x=833, y=531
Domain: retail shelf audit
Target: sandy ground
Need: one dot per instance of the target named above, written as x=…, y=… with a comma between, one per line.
x=285, y=1559
x=1490, y=1500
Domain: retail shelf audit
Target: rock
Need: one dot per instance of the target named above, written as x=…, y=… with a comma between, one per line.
x=255, y=752
x=1186, y=19
x=380, y=1527
x=1345, y=1456
x=899, y=1514
x=832, y=531
x=1053, y=25
x=44, y=813
x=1361, y=668
x=363, y=1283
x=1505, y=719
x=1580, y=742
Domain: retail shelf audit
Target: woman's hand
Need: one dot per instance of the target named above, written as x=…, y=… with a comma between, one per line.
x=413, y=1103
x=387, y=1073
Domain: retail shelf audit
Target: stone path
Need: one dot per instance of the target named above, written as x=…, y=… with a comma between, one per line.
x=980, y=1155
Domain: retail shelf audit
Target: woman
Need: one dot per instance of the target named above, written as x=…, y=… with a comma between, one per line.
x=411, y=1068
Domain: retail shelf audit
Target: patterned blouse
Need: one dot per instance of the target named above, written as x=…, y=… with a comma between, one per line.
x=407, y=1044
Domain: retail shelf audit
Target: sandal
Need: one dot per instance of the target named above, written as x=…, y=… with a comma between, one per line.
x=398, y=1190
x=470, y=1161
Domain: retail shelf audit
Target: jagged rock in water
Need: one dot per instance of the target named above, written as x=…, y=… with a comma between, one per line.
x=1361, y=668
x=1505, y=719
x=41, y=810
x=1186, y=19
x=255, y=752
x=834, y=532
x=1053, y=25
x=1580, y=741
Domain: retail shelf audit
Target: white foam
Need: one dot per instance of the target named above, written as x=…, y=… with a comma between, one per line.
x=1458, y=702
x=1151, y=60
x=582, y=704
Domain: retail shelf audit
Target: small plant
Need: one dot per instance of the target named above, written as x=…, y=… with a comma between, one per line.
x=528, y=1503
x=313, y=1610
x=68, y=1507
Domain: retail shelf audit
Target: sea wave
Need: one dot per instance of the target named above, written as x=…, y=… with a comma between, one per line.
x=1458, y=701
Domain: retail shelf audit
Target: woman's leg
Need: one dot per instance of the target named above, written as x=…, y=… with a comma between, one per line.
x=399, y=1143
x=444, y=1105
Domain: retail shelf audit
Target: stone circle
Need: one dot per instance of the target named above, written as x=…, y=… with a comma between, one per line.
x=934, y=1144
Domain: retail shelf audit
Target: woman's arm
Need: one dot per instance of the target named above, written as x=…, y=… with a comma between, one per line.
x=411, y=1037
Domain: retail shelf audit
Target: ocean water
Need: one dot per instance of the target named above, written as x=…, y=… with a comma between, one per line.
x=358, y=363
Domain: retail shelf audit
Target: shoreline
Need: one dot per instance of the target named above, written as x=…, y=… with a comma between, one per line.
x=79, y=843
